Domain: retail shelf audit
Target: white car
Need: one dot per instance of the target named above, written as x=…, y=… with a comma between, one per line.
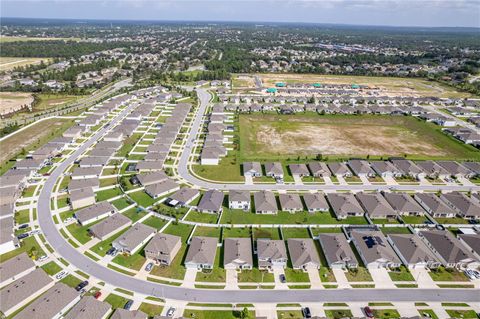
x=35, y=232
x=42, y=258
x=61, y=275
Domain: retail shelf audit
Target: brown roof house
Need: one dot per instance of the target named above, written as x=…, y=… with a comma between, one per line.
x=134, y=238
x=337, y=250
x=303, y=253
x=374, y=249
x=201, y=253
x=163, y=248
x=271, y=253
x=237, y=253
x=412, y=251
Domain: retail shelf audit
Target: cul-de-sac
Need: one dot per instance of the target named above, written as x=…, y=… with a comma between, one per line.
x=238, y=170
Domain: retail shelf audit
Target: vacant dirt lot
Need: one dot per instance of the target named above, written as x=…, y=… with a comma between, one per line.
x=272, y=136
x=7, y=63
x=14, y=101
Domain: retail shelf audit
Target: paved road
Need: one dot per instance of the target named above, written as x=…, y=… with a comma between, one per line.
x=87, y=265
x=458, y=121
x=184, y=172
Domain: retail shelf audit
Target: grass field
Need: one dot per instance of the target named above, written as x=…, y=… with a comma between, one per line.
x=5, y=39
x=48, y=101
x=271, y=136
x=8, y=63
x=388, y=85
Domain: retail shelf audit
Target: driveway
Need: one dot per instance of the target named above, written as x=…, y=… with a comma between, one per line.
x=189, y=279
x=423, y=278
x=342, y=280
x=277, y=271
x=314, y=277
x=381, y=278
x=232, y=279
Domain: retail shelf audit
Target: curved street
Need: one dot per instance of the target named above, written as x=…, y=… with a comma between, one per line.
x=117, y=279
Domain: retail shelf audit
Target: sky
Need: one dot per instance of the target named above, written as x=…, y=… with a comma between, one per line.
x=424, y=13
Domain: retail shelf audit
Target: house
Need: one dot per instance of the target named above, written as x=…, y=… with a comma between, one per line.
x=82, y=197
x=89, y=308
x=412, y=251
x=211, y=202
x=462, y=204
x=290, y=202
x=303, y=253
x=361, y=168
x=161, y=188
x=253, y=169
x=94, y=213
x=148, y=166
x=110, y=226
x=434, y=205
x=315, y=202
x=337, y=251
x=128, y=314
x=7, y=240
x=152, y=178
x=299, y=170
x=24, y=290
x=471, y=243
x=209, y=156
x=86, y=172
x=265, y=202
x=239, y=200
x=385, y=169
x=134, y=238
x=473, y=166
x=93, y=161
x=15, y=268
x=455, y=169
x=52, y=304
x=163, y=248
x=432, y=169
x=237, y=253
x=376, y=206
x=339, y=169
x=201, y=253
x=92, y=183
x=274, y=169
x=374, y=250
x=345, y=205
x=404, y=204
x=319, y=169
x=183, y=197
x=448, y=249
x=271, y=253
x=408, y=168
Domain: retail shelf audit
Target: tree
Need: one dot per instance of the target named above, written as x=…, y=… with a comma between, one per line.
x=245, y=314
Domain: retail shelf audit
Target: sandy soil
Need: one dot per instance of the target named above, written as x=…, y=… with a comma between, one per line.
x=347, y=140
x=13, y=101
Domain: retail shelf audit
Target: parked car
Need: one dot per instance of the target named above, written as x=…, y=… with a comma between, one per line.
x=149, y=267
x=111, y=251
x=23, y=226
x=61, y=275
x=22, y=236
x=81, y=285
x=35, y=232
x=282, y=278
x=128, y=305
x=368, y=312
x=170, y=312
x=97, y=295
x=306, y=313
x=42, y=258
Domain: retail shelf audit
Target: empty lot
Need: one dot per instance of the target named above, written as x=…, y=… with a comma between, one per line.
x=266, y=136
x=7, y=63
x=11, y=101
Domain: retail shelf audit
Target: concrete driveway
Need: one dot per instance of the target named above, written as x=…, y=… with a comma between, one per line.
x=381, y=278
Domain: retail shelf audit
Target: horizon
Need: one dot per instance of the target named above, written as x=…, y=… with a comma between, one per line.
x=375, y=13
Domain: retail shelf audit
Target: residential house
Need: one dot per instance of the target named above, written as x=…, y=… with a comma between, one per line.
x=238, y=199
x=162, y=188
x=434, y=205
x=471, y=243
x=412, y=251
x=15, y=268
x=237, y=253
x=201, y=253
x=271, y=253
x=299, y=170
x=374, y=250
x=376, y=206
x=265, y=202
x=253, y=169
x=455, y=169
x=319, y=169
x=404, y=204
x=128, y=314
x=337, y=251
x=110, y=226
x=86, y=216
x=134, y=238
x=345, y=205
x=211, y=202
x=90, y=308
x=303, y=253
x=183, y=197
x=163, y=248
x=82, y=197
x=290, y=202
x=339, y=169
x=274, y=169
x=408, y=168
x=462, y=204
x=432, y=169
x=315, y=202
x=385, y=169
x=361, y=168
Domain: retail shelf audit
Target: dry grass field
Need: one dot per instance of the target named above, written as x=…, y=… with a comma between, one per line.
x=11, y=101
x=269, y=136
x=388, y=85
x=8, y=63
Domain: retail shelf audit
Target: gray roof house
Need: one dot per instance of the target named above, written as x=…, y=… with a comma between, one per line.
x=201, y=253
x=375, y=205
x=128, y=314
x=315, y=202
x=162, y=188
x=52, y=304
x=337, y=250
x=239, y=199
x=110, y=226
x=462, y=204
x=211, y=202
x=152, y=178
x=24, y=290
x=163, y=248
x=412, y=251
x=183, y=196
x=82, y=197
x=134, y=238
x=319, y=169
x=89, y=308
x=344, y=205
x=290, y=202
x=374, y=250
x=448, y=249
x=86, y=216
x=455, y=169
x=385, y=169
x=237, y=253
x=15, y=268
x=271, y=253
x=434, y=205
x=432, y=169
x=339, y=169
x=300, y=170
x=265, y=202
x=253, y=169
x=404, y=204
x=361, y=168
x=473, y=166
x=408, y=168
x=303, y=253
x=274, y=169
x=472, y=243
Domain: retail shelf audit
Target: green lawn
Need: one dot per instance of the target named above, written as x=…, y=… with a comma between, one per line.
x=214, y=314
x=283, y=218
x=134, y=261
x=207, y=231
x=217, y=274
x=51, y=268
x=22, y=217
x=80, y=232
x=359, y=274
x=155, y=222
x=428, y=313
x=28, y=245
x=71, y=281
x=142, y=198
x=385, y=313
x=255, y=275
x=120, y=203
x=293, y=275
x=289, y=314
x=462, y=313
x=107, y=194
x=116, y=301
x=401, y=274
x=238, y=232
x=182, y=230
x=339, y=313
x=271, y=233
x=134, y=214
x=414, y=219
x=447, y=274
x=295, y=233
x=102, y=247
x=195, y=216
x=150, y=310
